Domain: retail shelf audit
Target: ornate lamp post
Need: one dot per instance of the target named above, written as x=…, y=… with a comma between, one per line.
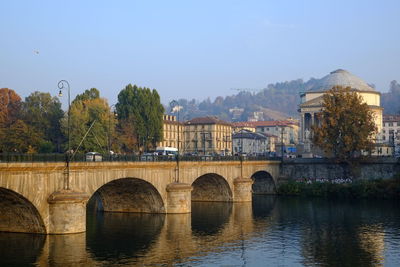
x=109, y=128
x=175, y=107
x=64, y=85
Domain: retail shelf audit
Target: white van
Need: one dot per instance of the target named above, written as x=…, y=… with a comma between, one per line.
x=166, y=151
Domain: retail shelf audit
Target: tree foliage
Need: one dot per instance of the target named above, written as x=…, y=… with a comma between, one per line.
x=15, y=134
x=89, y=94
x=10, y=107
x=84, y=111
x=43, y=113
x=143, y=109
x=20, y=138
x=346, y=124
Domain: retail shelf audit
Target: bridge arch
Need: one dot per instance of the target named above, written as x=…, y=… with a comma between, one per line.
x=128, y=195
x=211, y=187
x=18, y=214
x=263, y=183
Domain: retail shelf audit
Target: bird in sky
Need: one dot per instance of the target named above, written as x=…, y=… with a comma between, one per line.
x=36, y=52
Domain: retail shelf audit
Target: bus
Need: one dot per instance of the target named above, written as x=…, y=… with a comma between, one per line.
x=166, y=151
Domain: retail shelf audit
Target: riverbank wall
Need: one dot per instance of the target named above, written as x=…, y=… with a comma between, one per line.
x=327, y=169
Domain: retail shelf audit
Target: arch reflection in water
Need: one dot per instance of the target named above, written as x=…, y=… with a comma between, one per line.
x=263, y=206
x=115, y=235
x=209, y=218
x=17, y=249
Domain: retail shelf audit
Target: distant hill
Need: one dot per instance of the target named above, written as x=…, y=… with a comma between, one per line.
x=276, y=102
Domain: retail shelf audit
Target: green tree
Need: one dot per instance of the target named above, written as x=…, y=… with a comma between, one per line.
x=89, y=94
x=126, y=136
x=20, y=138
x=346, y=124
x=15, y=134
x=83, y=114
x=142, y=107
x=44, y=113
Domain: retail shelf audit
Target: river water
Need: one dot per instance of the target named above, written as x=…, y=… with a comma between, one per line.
x=271, y=231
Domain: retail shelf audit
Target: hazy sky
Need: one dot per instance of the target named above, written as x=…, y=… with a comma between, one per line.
x=194, y=49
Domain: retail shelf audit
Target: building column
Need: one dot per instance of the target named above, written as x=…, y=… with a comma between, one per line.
x=242, y=189
x=312, y=120
x=302, y=129
x=179, y=198
x=67, y=212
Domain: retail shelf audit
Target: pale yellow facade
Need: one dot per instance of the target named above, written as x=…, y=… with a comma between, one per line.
x=208, y=136
x=171, y=127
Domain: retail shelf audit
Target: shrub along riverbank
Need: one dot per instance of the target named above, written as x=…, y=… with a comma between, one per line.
x=383, y=189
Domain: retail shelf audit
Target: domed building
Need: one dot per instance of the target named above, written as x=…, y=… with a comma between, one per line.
x=312, y=100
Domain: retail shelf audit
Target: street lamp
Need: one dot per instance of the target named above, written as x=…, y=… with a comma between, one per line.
x=64, y=85
x=109, y=128
x=175, y=107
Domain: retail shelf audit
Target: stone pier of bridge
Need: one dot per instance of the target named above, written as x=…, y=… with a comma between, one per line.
x=33, y=197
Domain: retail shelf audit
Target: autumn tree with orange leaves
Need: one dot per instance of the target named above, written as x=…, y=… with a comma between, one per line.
x=346, y=125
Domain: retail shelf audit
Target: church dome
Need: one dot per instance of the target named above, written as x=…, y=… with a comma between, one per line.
x=341, y=78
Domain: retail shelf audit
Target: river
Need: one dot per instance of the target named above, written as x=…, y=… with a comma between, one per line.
x=271, y=231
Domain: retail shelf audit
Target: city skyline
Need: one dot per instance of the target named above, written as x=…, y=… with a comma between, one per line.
x=193, y=50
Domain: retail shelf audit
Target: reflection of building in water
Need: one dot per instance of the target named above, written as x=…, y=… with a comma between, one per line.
x=372, y=241
x=335, y=235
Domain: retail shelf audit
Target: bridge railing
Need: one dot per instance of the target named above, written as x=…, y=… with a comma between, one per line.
x=15, y=157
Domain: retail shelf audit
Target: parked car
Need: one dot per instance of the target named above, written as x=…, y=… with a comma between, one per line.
x=94, y=156
x=148, y=157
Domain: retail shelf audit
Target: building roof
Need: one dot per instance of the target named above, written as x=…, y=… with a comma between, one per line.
x=315, y=102
x=343, y=78
x=243, y=124
x=265, y=123
x=207, y=120
x=391, y=118
x=269, y=135
x=248, y=135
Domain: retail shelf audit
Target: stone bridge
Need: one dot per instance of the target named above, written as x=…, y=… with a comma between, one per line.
x=34, y=197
